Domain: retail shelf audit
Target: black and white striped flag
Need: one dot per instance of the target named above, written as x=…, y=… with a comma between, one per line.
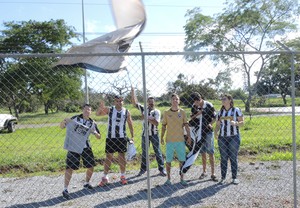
x=130, y=20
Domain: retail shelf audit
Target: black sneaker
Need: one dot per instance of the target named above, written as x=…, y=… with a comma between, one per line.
x=88, y=186
x=66, y=194
x=141, y=172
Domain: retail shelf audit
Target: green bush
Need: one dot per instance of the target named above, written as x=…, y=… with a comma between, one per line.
x=71, y=108
x=163, y=104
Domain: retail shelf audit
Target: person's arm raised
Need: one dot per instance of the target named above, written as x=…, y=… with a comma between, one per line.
x=130, y=125
x=134, y=100
x=102, y=110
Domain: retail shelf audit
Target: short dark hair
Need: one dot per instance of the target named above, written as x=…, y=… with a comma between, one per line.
x=174, y=95
x=119, y=97
x=86, y=105
x=151, y=98
x=195, y=96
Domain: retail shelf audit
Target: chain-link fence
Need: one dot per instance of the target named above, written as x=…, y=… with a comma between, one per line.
x=43, y=98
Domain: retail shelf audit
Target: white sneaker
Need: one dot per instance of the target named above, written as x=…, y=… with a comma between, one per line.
x=222, y=181
x=235, y=181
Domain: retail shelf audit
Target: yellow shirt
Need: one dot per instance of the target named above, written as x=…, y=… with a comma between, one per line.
x=174, y=121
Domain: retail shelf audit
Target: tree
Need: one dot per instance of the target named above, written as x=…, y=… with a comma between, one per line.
x=276, y=77
x=36, y=37
x=238, y=94
x=26, y=76
x=12, y=88
x=179, y=85
x=205, y=88
x=118, y=86
x=184, y=89
x=243, y=26
x=223, y=82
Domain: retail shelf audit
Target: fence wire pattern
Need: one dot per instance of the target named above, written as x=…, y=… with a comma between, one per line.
x=40, y=97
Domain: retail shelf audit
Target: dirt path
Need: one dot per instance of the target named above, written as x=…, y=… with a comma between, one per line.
x=262, y=185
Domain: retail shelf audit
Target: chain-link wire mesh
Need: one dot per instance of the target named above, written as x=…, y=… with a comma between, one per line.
x=43, y=98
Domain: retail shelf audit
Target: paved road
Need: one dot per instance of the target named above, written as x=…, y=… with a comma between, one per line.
x=276, y=111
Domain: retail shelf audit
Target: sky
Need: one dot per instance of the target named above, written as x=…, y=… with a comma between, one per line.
x=165, y=18
x=163, y=32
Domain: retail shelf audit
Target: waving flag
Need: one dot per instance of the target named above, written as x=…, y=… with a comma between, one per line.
x=130, y=20
x=198, y=138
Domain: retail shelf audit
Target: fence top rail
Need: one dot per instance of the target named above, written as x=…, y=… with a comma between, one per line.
x=186, y=53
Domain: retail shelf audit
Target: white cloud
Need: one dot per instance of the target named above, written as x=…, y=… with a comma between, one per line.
x=92, y=26
x=109, y=28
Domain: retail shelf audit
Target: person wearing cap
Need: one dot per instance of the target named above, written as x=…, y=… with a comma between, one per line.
x=116, y=139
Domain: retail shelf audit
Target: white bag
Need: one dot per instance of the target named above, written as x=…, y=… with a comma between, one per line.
x=131, y=151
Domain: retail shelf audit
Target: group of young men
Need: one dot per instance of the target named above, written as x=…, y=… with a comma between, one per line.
x=176, y=132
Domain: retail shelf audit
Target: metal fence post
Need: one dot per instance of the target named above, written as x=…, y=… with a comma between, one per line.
x=294, y=128
x=293, y=121
x=146, y=127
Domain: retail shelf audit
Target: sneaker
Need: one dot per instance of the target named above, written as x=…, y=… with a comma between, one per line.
x=103, y=182
x=168, y=182
x=222, y=181
x=214, y=178
x=163, y=173
x=88, y=186
x=66, y=194
x=235, y=181
x=183, y=182
x=141, y=173
x=123, y=180
x=203, y=175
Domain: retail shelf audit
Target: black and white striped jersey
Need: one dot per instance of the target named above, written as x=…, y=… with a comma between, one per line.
x=204, y=119
x=155, y=113
x=225, y=116
x=117, y=123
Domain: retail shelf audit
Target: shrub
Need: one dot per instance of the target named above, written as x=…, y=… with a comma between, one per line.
x=72, y=108
x=163, y=104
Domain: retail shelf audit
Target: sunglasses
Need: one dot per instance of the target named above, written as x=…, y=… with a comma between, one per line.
x=223, y=99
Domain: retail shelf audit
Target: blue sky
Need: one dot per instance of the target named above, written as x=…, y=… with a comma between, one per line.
x=163, y=31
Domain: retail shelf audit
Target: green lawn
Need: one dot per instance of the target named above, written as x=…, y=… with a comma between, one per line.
x=36, y=151
x=55, y=117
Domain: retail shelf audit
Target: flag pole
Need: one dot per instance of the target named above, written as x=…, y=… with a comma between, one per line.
x=85, y=70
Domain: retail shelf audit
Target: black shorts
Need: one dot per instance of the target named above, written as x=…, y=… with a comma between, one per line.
x=116, y=145
x=73, y=159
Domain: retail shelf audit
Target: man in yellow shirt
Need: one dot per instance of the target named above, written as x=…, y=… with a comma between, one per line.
x=174, y=120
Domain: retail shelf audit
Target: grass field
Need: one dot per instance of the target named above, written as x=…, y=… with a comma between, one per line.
x=54, y=117
x=39, y=151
